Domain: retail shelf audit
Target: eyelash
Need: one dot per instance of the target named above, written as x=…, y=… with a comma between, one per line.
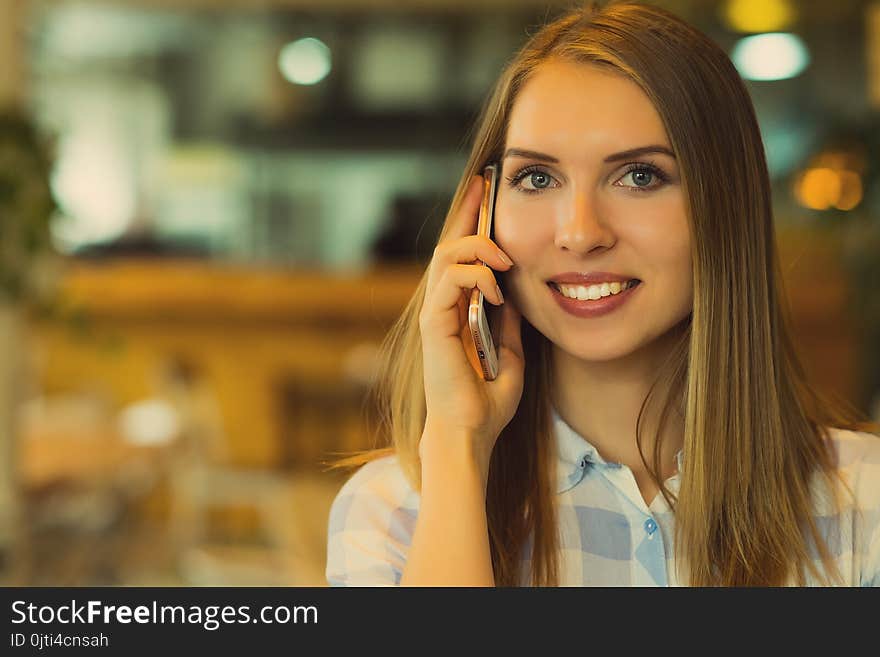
x=513, y=181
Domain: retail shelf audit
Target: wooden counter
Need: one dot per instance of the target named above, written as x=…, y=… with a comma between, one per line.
x=284, y=353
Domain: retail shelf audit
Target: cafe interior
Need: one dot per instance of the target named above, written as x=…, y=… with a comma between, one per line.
x=220, y=207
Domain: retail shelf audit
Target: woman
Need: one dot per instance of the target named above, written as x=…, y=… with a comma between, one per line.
x=665, y=437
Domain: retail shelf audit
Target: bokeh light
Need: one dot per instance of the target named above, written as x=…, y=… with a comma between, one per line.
x=775, y=56
x=305, y=61
x=758, y=15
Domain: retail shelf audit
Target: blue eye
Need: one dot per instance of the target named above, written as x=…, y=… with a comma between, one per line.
x=644, y=173
x=539, y=178
x=641, y=173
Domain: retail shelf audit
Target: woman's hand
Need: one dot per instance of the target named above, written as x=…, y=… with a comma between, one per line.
x=459, y=401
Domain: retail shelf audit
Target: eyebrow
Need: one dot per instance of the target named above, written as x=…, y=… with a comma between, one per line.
x=614, y=157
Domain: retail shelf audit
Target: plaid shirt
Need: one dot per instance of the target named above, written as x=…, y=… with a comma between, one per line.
x=609, y=535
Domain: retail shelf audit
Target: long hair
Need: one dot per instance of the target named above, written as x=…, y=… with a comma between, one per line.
x=756, y=441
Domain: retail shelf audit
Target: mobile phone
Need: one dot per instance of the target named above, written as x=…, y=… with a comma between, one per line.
x=484, y=341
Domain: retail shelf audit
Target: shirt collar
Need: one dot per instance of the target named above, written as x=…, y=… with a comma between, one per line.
x=575, y=453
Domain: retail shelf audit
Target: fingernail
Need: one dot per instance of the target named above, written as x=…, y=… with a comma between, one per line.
x=500, y=296
x=505, y=257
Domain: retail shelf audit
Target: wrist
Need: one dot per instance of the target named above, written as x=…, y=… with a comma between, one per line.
x=452, y=450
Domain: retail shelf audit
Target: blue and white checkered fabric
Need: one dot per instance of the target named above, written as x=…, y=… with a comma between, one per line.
x=610, y=536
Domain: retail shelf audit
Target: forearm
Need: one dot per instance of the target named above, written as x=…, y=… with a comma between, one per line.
x=450, y=545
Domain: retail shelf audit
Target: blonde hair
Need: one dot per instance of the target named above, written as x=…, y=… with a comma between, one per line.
x=755, y=430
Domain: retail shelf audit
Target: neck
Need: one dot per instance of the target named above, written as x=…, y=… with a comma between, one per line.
x=601, y=402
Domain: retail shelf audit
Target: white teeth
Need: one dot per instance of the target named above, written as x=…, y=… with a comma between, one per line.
x=592, y=292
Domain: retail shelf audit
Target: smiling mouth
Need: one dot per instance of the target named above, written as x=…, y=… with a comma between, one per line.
x=593, y=292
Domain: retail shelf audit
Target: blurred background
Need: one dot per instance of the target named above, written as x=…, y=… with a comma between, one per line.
x=211, y=211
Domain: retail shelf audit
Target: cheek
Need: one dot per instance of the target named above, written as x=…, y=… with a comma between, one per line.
x=665, y=247
x=662, y=238
x=522, y=231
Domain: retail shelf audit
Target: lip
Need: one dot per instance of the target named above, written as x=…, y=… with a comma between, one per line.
x=589, y=278
x=590, y=309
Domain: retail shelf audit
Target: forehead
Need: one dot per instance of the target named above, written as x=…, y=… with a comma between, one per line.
x=566, y=104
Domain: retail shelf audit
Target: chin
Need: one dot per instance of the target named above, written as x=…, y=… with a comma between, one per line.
x=619, y=345
x=599, y=353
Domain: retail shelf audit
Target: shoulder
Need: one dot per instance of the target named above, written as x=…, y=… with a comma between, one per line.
x=379, y=483
x=370, y=526
x=857, y=454
x=858, y=462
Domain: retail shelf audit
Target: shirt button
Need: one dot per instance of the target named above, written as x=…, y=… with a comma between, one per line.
x=650, y=526
x=583, y=462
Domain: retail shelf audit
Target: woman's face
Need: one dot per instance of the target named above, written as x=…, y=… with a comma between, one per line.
x=578, y=205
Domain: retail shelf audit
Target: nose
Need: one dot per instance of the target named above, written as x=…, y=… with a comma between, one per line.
x=581, y=228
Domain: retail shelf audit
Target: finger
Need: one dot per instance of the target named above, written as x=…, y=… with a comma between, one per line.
x=455, y=280
x=465, y=220
x=470, y=249
x=458, y=278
